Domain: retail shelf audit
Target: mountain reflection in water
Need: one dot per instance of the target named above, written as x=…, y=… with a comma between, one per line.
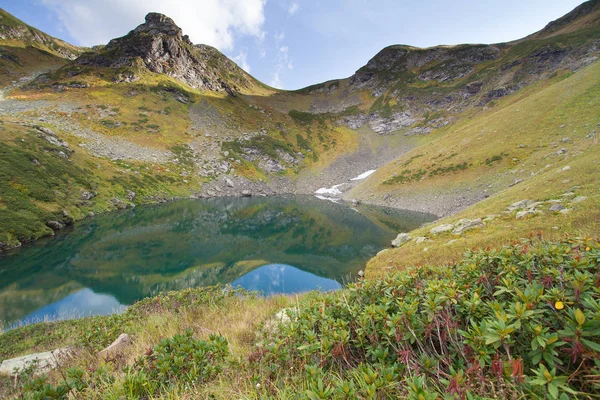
x=283, y=244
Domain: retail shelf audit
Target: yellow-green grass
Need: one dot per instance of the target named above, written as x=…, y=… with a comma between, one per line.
x=30, y=61
x=238, y=318
x=529, y=127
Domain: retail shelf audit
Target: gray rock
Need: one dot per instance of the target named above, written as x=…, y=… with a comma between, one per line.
x=229, y=182
x=524, y=213
x=85, y=195
x=441, y=229
x=421, y=239
x=44, y=361
x=401, y=239
x=118, y=203
x=466, y=225
x=246, y=193
x=130, y=195
x=55, y=225
x=519, y=205
x=490, y=217
x=556, y=207
x=578, y=199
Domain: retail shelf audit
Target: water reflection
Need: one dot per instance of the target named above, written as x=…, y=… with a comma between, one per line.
x=141, y=252
x=281, y=278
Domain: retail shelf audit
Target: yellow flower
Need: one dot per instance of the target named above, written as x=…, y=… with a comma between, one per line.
x=587, y=249
x=559, y=305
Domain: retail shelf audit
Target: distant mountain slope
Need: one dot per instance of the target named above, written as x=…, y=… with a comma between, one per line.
x=14, y=32
x=585, y=16
x=26, y=51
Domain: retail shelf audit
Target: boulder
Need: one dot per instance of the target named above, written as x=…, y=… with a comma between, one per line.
x=441, y=229
x=117, y=347
x=246, y=193
x=131, y=195
x=466, y=225
x=46, y=361
x=85, y=195
x=118, y=203
x=401, y=239
x=421, y=239
x=55, y=225
x=229, y=182
x=519, y=205
x=557, y=207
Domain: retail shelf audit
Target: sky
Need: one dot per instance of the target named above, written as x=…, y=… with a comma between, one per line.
x=291, y=44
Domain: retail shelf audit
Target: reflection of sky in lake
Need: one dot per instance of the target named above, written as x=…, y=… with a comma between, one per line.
x=281, y=278
x=83, y=303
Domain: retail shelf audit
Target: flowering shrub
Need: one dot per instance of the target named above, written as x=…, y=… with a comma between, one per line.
x=523, y=320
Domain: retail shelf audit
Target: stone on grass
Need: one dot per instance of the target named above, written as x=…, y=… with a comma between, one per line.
x=441, y=229
x=519, y=204
x=556, y=207
x=44, y=361
x=421, y=239
x=117, y=347
x=466, y=225
x=524, y=214
x=401, y=239
x=578, y=199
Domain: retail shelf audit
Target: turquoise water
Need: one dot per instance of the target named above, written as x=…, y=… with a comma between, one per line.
x=273, y=245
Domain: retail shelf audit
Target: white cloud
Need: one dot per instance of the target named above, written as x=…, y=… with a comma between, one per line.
x=294, y=7
x=282, y=62
x=279, y=36
x=242, y=60
x=213, y=22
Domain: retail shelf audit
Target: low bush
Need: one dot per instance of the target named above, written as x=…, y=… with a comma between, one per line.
x=521, y=321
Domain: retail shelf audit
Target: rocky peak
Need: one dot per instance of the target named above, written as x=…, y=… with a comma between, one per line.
x=159, y=46
x=159, y=24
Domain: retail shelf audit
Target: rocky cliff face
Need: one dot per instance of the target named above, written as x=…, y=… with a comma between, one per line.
x=12, y=29
x=159, y=46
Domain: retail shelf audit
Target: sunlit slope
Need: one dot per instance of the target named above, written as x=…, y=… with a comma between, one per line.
x=540, y=145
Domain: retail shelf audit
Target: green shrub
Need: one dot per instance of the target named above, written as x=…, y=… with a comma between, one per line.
x=521, y=321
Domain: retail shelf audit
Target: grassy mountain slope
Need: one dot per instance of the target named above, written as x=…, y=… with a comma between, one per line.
x=540, y=146
x=25, y=50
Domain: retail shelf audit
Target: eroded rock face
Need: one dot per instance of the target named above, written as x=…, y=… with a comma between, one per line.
x=160, y=46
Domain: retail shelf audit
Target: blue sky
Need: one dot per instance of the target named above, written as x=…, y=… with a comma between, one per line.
x=294, y=43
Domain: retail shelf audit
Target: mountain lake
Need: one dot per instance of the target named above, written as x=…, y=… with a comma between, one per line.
x=282, y=244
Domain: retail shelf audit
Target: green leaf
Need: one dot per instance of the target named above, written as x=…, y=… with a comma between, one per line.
x=579, y=316
x=592, y=345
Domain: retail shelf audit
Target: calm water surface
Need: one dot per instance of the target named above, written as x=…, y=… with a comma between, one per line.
x=273, y=245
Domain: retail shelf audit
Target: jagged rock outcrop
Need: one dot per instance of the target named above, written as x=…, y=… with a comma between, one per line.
x=160, y=46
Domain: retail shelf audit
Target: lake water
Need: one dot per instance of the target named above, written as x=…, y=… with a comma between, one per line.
x=273, y=245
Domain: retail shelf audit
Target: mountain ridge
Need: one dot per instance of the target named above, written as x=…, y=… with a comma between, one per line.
x=190, y=122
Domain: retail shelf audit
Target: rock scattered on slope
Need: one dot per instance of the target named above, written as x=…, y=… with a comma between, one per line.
x=401, y=239
x=441, y=229
x=466, y=225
